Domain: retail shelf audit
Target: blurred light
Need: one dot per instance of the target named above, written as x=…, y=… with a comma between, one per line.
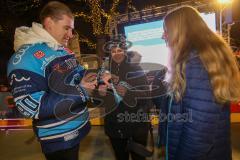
x=85, y=65
x=224, y=1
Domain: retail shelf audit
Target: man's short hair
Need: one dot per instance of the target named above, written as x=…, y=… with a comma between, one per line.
x=55, y=10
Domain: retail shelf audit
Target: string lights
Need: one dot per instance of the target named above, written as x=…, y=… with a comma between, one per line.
x=88, y=42
x=98, y=15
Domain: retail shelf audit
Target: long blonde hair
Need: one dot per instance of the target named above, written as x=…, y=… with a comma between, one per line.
x=186, y=30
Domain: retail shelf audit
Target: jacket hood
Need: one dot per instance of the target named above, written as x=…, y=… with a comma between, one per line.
x=31, y=35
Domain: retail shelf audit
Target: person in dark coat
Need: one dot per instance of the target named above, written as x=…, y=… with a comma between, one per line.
x=203, y=78
x=129, y=119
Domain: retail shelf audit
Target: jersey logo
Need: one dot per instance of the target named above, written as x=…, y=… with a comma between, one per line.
x=14, y=77
x=39, y=54
x=68, y=50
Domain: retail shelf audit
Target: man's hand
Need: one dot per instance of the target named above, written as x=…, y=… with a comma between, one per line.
x=89, y=82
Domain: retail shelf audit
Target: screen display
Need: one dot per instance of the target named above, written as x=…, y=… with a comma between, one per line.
x=146, y=39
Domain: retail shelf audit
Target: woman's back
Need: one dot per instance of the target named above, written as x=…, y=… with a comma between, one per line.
x=204, y=130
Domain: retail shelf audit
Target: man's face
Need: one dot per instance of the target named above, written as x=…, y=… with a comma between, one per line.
x=117, y=54
x=61, y=30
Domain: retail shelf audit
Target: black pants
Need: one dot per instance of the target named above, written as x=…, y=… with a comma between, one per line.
x=119, y=146
x=67, y=154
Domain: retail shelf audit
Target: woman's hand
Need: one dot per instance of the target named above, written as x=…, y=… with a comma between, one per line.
x=121, y=90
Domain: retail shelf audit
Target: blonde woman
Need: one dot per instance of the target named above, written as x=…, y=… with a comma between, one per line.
x=203, y=79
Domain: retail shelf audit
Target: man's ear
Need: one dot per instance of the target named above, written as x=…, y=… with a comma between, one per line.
x=47, y=23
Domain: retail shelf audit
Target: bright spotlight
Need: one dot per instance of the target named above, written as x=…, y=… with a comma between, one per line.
x=224, y=1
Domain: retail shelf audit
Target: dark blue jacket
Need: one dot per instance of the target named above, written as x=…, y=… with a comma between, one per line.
x=198, y=128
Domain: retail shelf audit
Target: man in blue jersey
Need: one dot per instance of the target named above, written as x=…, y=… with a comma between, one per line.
x=49, y=85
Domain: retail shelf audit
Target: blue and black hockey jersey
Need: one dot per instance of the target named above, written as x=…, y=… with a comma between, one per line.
x=45, y=86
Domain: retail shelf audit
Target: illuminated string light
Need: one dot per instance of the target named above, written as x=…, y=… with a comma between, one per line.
x=89, y=43
x=98, y=15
